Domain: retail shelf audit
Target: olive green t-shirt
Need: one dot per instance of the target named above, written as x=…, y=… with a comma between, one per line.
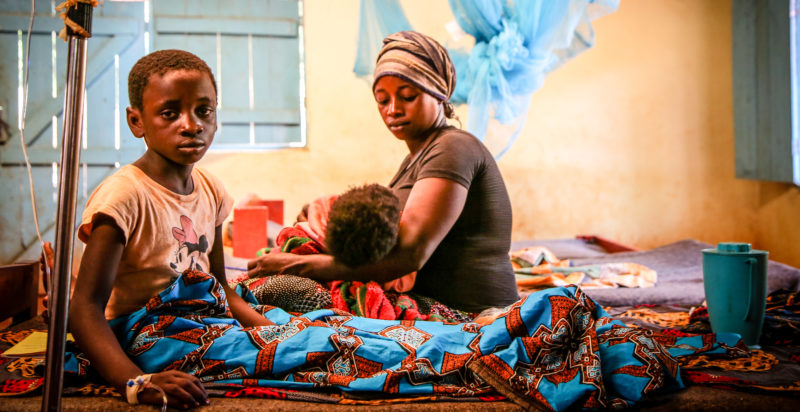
x=470, y=269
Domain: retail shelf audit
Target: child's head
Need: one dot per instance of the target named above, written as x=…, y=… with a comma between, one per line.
x=362, y=225
x=158, y=63
x=173, y=99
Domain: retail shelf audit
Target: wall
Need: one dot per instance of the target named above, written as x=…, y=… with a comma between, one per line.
x=778, y=222
x=632, y=140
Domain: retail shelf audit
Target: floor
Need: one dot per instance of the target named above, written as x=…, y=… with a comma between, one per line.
x=692, y=399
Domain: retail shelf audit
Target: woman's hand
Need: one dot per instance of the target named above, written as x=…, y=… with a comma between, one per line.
x=183, y=391
x=319, y=267
x=270, y=264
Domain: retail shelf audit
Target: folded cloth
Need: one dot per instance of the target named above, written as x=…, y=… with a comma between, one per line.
x=536, y=267
x=782, y=319
x=291, y=293
x=300, y=295
x=367, y=300
x=317, y=216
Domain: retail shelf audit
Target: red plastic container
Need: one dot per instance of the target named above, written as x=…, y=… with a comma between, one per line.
x=249, y=230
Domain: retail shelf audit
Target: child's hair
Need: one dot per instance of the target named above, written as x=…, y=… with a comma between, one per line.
x=362, y=225
x=160, y=62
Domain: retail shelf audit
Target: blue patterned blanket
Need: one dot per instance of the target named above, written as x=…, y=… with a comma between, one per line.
x=553, y=350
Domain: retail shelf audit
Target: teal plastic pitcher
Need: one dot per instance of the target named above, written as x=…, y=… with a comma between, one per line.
x=735, y=282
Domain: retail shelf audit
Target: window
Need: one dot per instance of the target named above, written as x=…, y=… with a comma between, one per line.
x=255, y=49
x=765, y=90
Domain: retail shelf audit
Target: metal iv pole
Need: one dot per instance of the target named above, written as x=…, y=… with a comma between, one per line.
x=78, y=22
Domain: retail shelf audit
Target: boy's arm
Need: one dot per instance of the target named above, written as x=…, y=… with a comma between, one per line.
x=242, y=311
x=93, y=334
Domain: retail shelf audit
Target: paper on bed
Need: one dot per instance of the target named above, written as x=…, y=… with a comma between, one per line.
x=34, y=345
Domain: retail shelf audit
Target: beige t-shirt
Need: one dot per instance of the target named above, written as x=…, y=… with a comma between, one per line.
x=165, y=232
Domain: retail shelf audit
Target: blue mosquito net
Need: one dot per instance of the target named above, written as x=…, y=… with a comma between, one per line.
x=516, y=44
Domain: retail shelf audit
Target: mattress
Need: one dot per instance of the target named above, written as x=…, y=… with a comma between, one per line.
x=679, y=266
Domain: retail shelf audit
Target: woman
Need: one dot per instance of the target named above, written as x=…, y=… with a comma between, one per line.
x=455, y=230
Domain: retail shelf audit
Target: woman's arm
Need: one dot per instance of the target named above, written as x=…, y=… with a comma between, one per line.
x=243, y=312
x=93, y=334
x=432, y=208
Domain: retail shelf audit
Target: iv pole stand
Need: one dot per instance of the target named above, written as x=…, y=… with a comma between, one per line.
x=80, y=13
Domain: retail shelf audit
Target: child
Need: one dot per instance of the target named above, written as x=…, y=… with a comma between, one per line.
x=151, y=221
x=362, y=225
x=357, y=227
x=362, y=228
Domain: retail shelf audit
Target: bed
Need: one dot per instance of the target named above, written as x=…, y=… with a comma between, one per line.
x=679, y=287
x=679, y=266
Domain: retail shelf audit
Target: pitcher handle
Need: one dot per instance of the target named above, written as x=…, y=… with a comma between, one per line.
x=752, y=263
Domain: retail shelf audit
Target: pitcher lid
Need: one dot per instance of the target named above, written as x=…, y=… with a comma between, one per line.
x=724, y=248
x=733, y=247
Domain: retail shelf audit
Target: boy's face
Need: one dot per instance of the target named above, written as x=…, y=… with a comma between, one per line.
x=178, y=117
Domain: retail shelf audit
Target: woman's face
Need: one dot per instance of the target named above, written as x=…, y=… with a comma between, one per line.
x=406, y=110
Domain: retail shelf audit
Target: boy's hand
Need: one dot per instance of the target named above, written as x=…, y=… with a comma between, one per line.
x=183, y=391
x=48, y=255
x=46, y=268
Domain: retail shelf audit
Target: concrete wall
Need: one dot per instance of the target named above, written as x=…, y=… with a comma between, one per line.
x=632, y=140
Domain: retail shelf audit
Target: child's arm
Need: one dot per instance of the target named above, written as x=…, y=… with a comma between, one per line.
x=242, y=311
x=93, y=334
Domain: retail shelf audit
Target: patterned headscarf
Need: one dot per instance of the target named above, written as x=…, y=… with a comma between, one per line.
x=420, y=60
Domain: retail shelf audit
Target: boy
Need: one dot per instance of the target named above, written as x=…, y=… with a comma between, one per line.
x=151, y=221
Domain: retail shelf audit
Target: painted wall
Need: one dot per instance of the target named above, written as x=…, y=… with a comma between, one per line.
x=632, y=140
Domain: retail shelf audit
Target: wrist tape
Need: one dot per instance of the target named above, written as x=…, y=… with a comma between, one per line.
x=138, y=384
